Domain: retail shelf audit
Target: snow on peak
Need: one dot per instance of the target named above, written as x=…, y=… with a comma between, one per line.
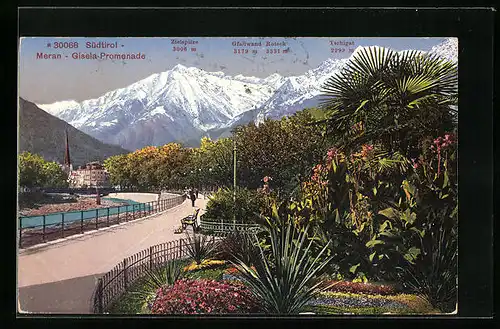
x=448, y=49
x=179, y=67
x=57, y=107
x=179, y=103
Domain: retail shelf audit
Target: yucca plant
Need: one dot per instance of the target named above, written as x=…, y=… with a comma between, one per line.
x=200, y=247
x=284, y=281
x=433, y=276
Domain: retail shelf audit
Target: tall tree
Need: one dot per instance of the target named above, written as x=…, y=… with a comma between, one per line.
x=34, y=171
x=282, y=149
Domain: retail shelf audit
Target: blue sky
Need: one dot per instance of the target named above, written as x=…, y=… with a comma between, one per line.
x=50, y=80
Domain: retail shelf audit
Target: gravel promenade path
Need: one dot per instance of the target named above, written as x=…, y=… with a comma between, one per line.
x=60, y=278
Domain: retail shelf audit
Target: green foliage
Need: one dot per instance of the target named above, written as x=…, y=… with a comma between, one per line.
x=209, y=274
x=237, y=245
x=379, y=217
x=282, y=149
x=116, y=166
x=199, y=247
x=288, y=279
x=144, y=291
x=214, y=162
x=150, y=167
x=34, y=171
x=221, y=205
x=392, y=98
x=432, y=271
x=54, y=175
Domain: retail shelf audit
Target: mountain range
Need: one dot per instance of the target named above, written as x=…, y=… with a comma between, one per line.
x=44, y=134
x=185, y=103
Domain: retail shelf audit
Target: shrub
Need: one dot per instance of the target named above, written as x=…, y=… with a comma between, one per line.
x=221, y=205
x=237, y=245
x=434, y=274
x=203, y=297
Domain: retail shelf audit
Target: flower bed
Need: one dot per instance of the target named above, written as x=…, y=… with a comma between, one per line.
x=363, y=288
x=338, y=303
x=203, y=297
x=206, y=264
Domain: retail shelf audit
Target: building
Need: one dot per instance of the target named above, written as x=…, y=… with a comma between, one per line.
x=93, y=174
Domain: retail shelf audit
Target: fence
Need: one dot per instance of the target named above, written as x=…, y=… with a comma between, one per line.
x=39, y=229
x=116, y=282
x=76, y=190
x=221, y=227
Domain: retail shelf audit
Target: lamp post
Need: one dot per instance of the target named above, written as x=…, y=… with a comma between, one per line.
x=98, y=196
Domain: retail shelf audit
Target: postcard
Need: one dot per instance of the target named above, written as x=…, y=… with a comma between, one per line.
x=311, y=176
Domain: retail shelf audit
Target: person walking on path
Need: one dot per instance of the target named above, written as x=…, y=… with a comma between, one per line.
x=196, y=191
x=158, y=197
x=192, y=196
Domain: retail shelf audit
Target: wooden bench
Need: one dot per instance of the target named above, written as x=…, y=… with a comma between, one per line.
x=190, y=220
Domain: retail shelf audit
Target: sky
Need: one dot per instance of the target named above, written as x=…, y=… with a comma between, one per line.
x=44, y=79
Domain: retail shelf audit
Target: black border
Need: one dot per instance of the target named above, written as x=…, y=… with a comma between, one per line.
x=473, y=27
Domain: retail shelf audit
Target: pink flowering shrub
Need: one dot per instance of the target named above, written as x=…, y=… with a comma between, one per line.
x=440, y=145
x=203, y=297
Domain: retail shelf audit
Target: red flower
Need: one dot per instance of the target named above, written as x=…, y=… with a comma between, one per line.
x=366, y=150
x=267, y=179
x=415, y=163
x=204, y=296
x=331, y=154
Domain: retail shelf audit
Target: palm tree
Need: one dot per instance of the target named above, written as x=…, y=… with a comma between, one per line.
x=389, y=97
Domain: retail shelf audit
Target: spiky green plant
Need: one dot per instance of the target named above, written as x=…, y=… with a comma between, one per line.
x=238, y=245
x=286, y=279
x=200, y=247
x=433, y=276
x=156, y=278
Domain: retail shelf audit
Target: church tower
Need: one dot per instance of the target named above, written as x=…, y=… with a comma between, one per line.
x=68, y=167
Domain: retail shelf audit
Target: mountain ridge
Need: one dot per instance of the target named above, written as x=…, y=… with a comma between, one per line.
x=44, y=134
x=186, y=103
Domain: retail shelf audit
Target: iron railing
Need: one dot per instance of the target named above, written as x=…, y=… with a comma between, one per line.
x=40, y=229
x=222, y=227
x=112, y=285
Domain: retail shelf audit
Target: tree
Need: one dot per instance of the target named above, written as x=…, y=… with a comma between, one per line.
x=116, y=166
x=283, y=149
x=392, y=98
x=30, y=170
x=215, y=159
x=53, y=175
x=34, y=171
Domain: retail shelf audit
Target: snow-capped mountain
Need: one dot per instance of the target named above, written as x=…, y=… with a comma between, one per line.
x=299, y=92
x=183, y=104
x=179, y=104
x=447, y=49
